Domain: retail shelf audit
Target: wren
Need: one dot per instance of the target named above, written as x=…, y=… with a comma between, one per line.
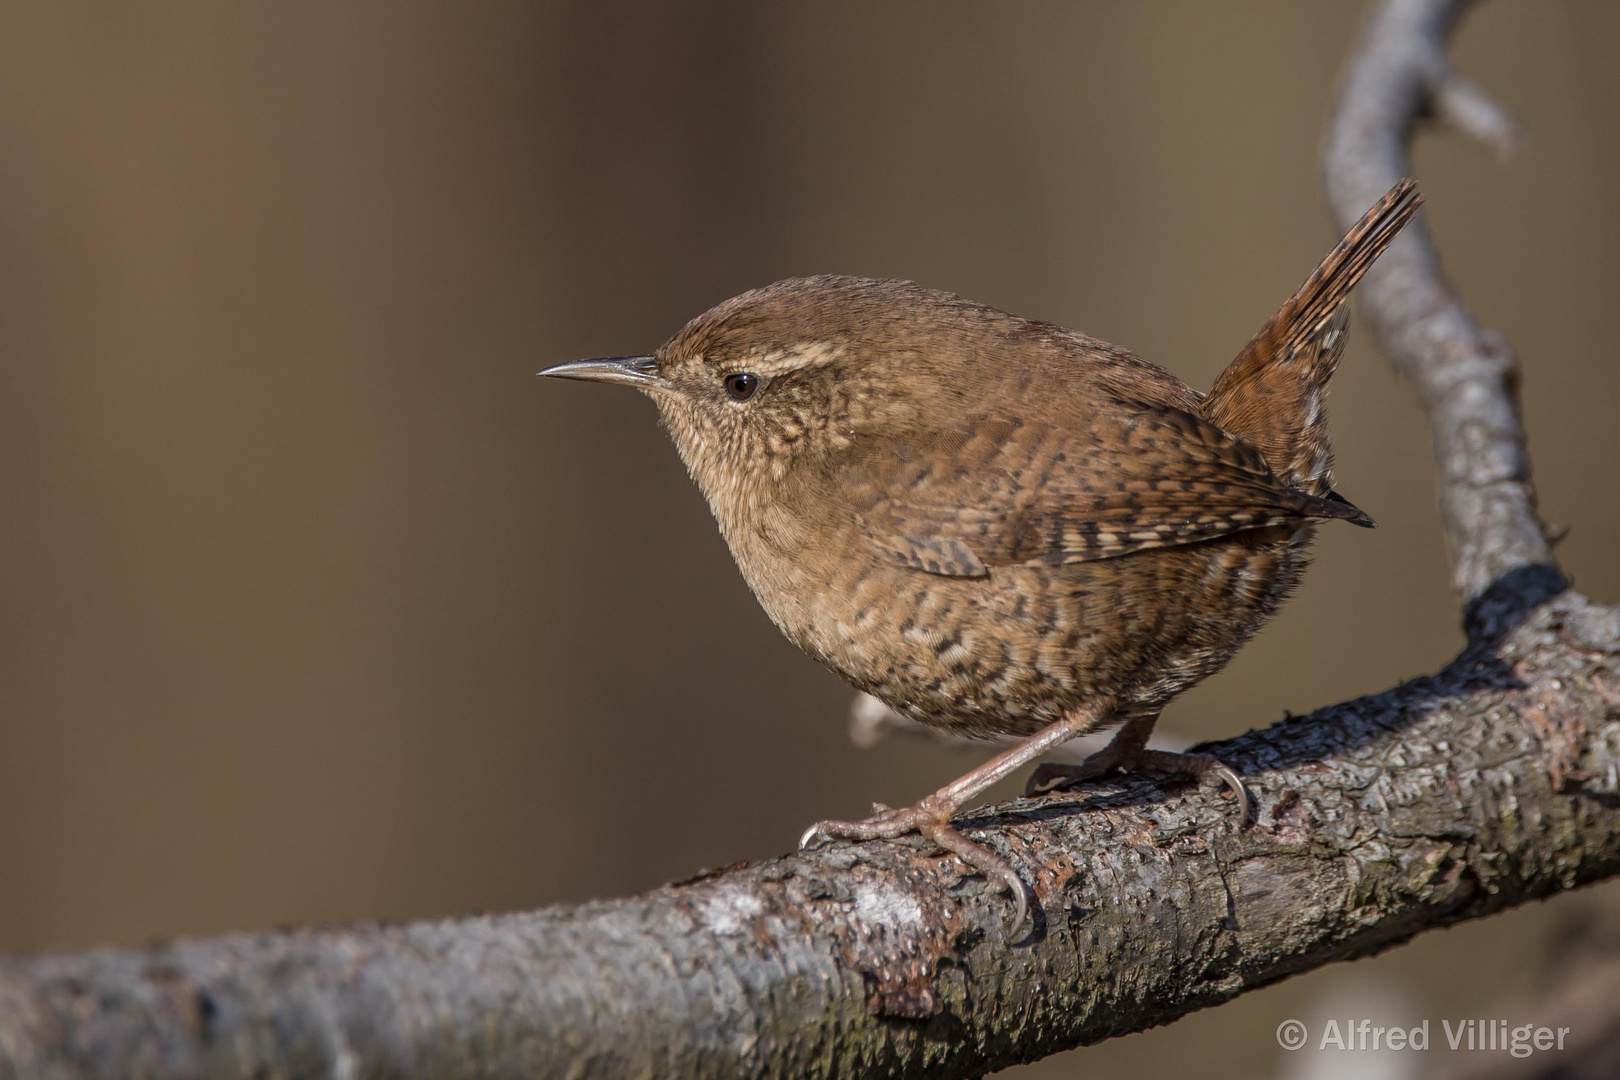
x=999, y=526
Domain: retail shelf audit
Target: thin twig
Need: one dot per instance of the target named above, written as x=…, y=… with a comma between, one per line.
x=1466, y=378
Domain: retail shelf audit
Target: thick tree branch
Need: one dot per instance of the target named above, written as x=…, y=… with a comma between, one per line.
x=1492, y=782
x=1438, y=801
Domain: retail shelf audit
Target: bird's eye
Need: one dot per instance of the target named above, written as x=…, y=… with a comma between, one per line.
x=742, y=385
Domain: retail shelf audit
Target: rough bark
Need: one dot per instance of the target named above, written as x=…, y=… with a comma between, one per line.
x=1495, y=781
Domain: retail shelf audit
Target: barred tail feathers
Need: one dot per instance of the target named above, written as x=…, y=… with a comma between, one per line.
x=1271, y=395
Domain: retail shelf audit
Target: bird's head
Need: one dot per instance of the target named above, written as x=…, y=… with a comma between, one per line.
x=782, y=375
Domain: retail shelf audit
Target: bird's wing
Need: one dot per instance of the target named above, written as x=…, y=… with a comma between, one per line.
x=993, y=492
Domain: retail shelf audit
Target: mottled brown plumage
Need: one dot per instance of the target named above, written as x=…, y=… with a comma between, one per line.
x=1000, y=526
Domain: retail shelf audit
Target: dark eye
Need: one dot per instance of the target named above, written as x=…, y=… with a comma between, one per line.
x=742, y=385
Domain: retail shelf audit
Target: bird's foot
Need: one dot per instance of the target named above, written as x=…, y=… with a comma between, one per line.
x=931, y=818
x=1124, y=755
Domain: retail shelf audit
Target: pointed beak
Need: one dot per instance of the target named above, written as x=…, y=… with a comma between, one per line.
x=639, y=371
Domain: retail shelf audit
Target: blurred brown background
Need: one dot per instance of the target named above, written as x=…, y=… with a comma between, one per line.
x=316, y=605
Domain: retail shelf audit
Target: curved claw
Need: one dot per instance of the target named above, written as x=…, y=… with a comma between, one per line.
x=1020, y=909
x=1020, y=897
x=1230, y=778
x=810, y=834
x=986, y=862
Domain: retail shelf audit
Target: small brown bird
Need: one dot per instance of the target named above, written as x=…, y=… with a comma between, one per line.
x=1000, y=526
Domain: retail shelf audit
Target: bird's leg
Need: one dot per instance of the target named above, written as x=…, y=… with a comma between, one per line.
x=1129, y=753
x=931, y=817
